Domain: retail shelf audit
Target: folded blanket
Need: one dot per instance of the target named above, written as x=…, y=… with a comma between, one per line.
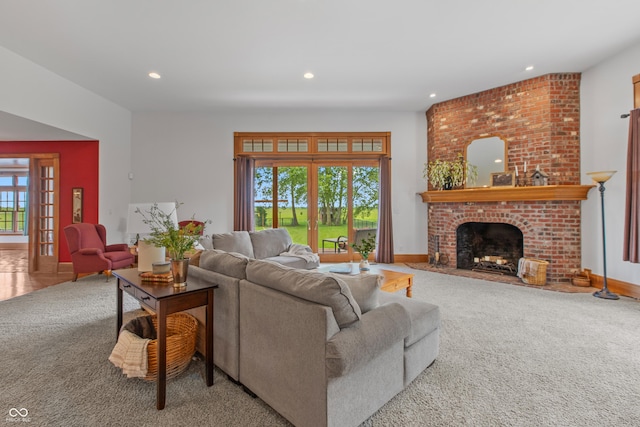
x=301, y=251
x=527, y=268
x=130, y=354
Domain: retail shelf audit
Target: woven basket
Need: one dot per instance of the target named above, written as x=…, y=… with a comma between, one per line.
x=581, y=279
x=540, y=277
x=182, y=330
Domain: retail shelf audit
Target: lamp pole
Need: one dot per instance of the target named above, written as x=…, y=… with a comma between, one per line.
x=601, y=178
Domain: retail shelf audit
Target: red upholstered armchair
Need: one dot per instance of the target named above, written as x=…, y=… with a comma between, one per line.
x=90, y=252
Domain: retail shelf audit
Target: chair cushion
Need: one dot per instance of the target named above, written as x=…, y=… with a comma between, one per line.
x=236, y=241
x=309, y=285
x=270, y=242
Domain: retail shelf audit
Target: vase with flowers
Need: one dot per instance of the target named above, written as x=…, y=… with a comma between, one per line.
x=177, y=240
x=365, y=247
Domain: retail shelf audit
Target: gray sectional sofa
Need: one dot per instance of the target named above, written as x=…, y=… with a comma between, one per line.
x=321, y=349
x=272, y=244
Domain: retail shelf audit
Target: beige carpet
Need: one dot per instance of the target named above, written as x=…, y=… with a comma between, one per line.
x=509, y=356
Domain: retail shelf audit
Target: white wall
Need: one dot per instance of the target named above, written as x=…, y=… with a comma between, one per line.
x=189, y=157
x=606, y=93
x=30, y=91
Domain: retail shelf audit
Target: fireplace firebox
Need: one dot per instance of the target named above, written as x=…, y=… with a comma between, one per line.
x=480, y=240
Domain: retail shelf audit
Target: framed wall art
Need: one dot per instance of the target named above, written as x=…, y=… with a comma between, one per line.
x=76, y=205
x=503, y=179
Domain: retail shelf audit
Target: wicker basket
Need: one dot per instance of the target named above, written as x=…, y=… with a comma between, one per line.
x=182, y=330
x=581, y=279
x=540, y=276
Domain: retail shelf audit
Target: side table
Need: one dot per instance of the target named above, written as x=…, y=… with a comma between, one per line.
x=164, y=299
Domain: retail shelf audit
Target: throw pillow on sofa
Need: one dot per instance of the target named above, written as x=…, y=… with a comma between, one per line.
x=270, y=242
x=365, y=289
x=236, y=241
x=309, y=285
x=227, y=263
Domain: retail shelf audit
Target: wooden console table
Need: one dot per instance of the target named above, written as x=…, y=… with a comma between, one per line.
x=164, y=299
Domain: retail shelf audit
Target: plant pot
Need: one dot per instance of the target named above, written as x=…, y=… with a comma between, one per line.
x=179, y=269
x=364, y=265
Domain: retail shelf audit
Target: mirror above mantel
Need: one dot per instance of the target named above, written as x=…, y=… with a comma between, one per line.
x=488, y=155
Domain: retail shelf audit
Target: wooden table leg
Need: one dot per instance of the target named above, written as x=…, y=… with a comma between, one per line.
x=119, y=317
x=162, y=356
x=409, y=287
x=209, y=338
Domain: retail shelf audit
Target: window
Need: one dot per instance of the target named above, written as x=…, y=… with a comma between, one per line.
x=13, y=202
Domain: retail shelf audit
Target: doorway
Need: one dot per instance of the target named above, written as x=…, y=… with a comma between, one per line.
x=29, y=208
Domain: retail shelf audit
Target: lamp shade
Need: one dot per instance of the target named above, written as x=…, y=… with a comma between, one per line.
x=602, y=176
x=135, y=221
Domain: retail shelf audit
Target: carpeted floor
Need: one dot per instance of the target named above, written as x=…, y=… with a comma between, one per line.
x=510, y=356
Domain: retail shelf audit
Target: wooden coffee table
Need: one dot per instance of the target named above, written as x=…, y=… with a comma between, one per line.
x=392, y=281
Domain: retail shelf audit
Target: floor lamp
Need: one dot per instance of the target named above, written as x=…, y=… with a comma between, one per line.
x=601, y=178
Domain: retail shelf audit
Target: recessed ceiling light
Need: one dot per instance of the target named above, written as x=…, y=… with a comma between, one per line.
x=497, y=161
x=433, y=95
x=308, y=75
x=154, y=75
x=529, y=68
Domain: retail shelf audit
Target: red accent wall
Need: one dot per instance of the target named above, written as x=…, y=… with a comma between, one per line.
x=540, y=120
x=79, y=161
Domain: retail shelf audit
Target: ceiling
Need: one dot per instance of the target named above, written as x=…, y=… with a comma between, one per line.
x=367, y=55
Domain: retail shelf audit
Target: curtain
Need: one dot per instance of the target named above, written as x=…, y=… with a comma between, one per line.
x=631, y=249
x=384, y=250
x=243, y=210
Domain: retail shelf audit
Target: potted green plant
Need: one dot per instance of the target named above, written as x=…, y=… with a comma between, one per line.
x=365, y=247
x=446, y=175
x=166, y=233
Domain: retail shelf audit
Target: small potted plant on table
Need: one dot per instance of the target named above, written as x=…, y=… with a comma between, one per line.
x=365, y=247
x=165, y=232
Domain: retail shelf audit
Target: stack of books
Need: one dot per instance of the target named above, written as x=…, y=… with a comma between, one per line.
x=160, y=277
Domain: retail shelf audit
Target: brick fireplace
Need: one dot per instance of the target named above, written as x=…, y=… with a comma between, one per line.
x=539, y=119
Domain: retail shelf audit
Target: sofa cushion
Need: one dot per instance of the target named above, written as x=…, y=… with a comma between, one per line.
x=206, y=242
x=424, y=317
x=270, y=242
x=228, y=263
x=309, y=285
x=365, y=289
x=236, y=241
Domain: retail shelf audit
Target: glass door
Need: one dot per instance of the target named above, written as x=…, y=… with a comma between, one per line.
x=331, y=218
x=324, y=209
x=282, y=199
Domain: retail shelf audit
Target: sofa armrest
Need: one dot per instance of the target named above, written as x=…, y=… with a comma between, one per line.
x=378, y=330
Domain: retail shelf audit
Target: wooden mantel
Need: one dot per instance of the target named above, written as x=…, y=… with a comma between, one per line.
x=508, y=194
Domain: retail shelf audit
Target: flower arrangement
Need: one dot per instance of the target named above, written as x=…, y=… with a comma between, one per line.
x=444, y=174
x=166, y=233
x=366, y=246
